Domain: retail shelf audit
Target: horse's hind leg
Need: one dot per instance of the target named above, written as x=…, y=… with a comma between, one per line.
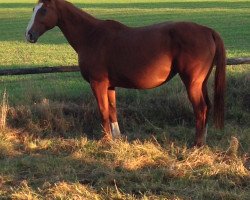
x=206, y=97
x=115, y=130
x=197, y=95
x=200, y=107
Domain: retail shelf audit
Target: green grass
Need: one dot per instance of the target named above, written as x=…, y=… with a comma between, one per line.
x=227, y=17
x=230, y=18
x=50, y=149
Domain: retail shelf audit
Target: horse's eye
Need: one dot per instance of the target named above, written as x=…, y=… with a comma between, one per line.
x=43, y=11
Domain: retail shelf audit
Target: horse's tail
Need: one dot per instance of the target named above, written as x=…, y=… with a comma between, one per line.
x=220, y=81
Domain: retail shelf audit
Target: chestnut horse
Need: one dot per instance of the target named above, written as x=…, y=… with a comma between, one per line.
x=113, y=55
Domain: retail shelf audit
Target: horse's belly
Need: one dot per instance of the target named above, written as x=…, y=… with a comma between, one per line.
x=146, y=77
x=151, y=79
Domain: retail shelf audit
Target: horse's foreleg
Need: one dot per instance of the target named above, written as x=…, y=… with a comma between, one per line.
x=113, y=114
x=100, y=90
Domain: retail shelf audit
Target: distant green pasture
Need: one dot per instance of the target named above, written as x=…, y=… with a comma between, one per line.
x=230, y=18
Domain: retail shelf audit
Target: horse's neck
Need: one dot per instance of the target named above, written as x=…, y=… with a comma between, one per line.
x=75, y=24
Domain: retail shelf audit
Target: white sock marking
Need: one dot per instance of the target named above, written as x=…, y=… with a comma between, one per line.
x=31, y=22
x=115, y=130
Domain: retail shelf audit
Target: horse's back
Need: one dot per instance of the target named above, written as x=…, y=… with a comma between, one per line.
x=172, y=38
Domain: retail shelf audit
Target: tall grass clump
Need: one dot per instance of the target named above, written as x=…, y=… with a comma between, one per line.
x=47, y=117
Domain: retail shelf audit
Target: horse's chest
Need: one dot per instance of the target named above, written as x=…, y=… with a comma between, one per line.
x=85, y=74
x=84, y=70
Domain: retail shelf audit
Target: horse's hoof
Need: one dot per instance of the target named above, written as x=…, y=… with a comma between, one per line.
x=117, y=136
x=198, y=144
x=106, y=139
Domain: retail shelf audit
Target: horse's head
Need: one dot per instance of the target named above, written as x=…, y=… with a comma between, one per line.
x=44, y=17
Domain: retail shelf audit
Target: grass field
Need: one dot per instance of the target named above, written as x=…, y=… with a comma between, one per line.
x=50, y=148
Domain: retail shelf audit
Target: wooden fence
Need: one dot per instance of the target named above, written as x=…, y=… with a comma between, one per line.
x=58, y=69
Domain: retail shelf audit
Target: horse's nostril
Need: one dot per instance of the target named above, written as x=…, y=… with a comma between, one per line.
x=30, y=35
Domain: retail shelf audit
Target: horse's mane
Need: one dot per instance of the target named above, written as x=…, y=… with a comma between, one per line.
x=76, y=10
x=72, y=8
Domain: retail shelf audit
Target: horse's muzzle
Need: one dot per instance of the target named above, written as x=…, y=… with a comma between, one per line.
x=31, y=36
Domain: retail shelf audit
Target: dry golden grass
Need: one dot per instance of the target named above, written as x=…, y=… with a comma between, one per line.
x=79, y=168
x=63, y=190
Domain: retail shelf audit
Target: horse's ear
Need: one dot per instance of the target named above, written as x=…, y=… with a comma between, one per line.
x=47, y=2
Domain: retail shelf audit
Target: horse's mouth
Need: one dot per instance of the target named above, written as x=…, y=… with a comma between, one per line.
x=32, y=38
x=31, y=41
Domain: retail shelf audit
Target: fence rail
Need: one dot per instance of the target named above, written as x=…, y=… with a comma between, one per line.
x=39, y=70
x=61, y=69
x=238, y=61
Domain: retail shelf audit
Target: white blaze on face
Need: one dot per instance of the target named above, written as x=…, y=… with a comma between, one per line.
x=33, y=18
